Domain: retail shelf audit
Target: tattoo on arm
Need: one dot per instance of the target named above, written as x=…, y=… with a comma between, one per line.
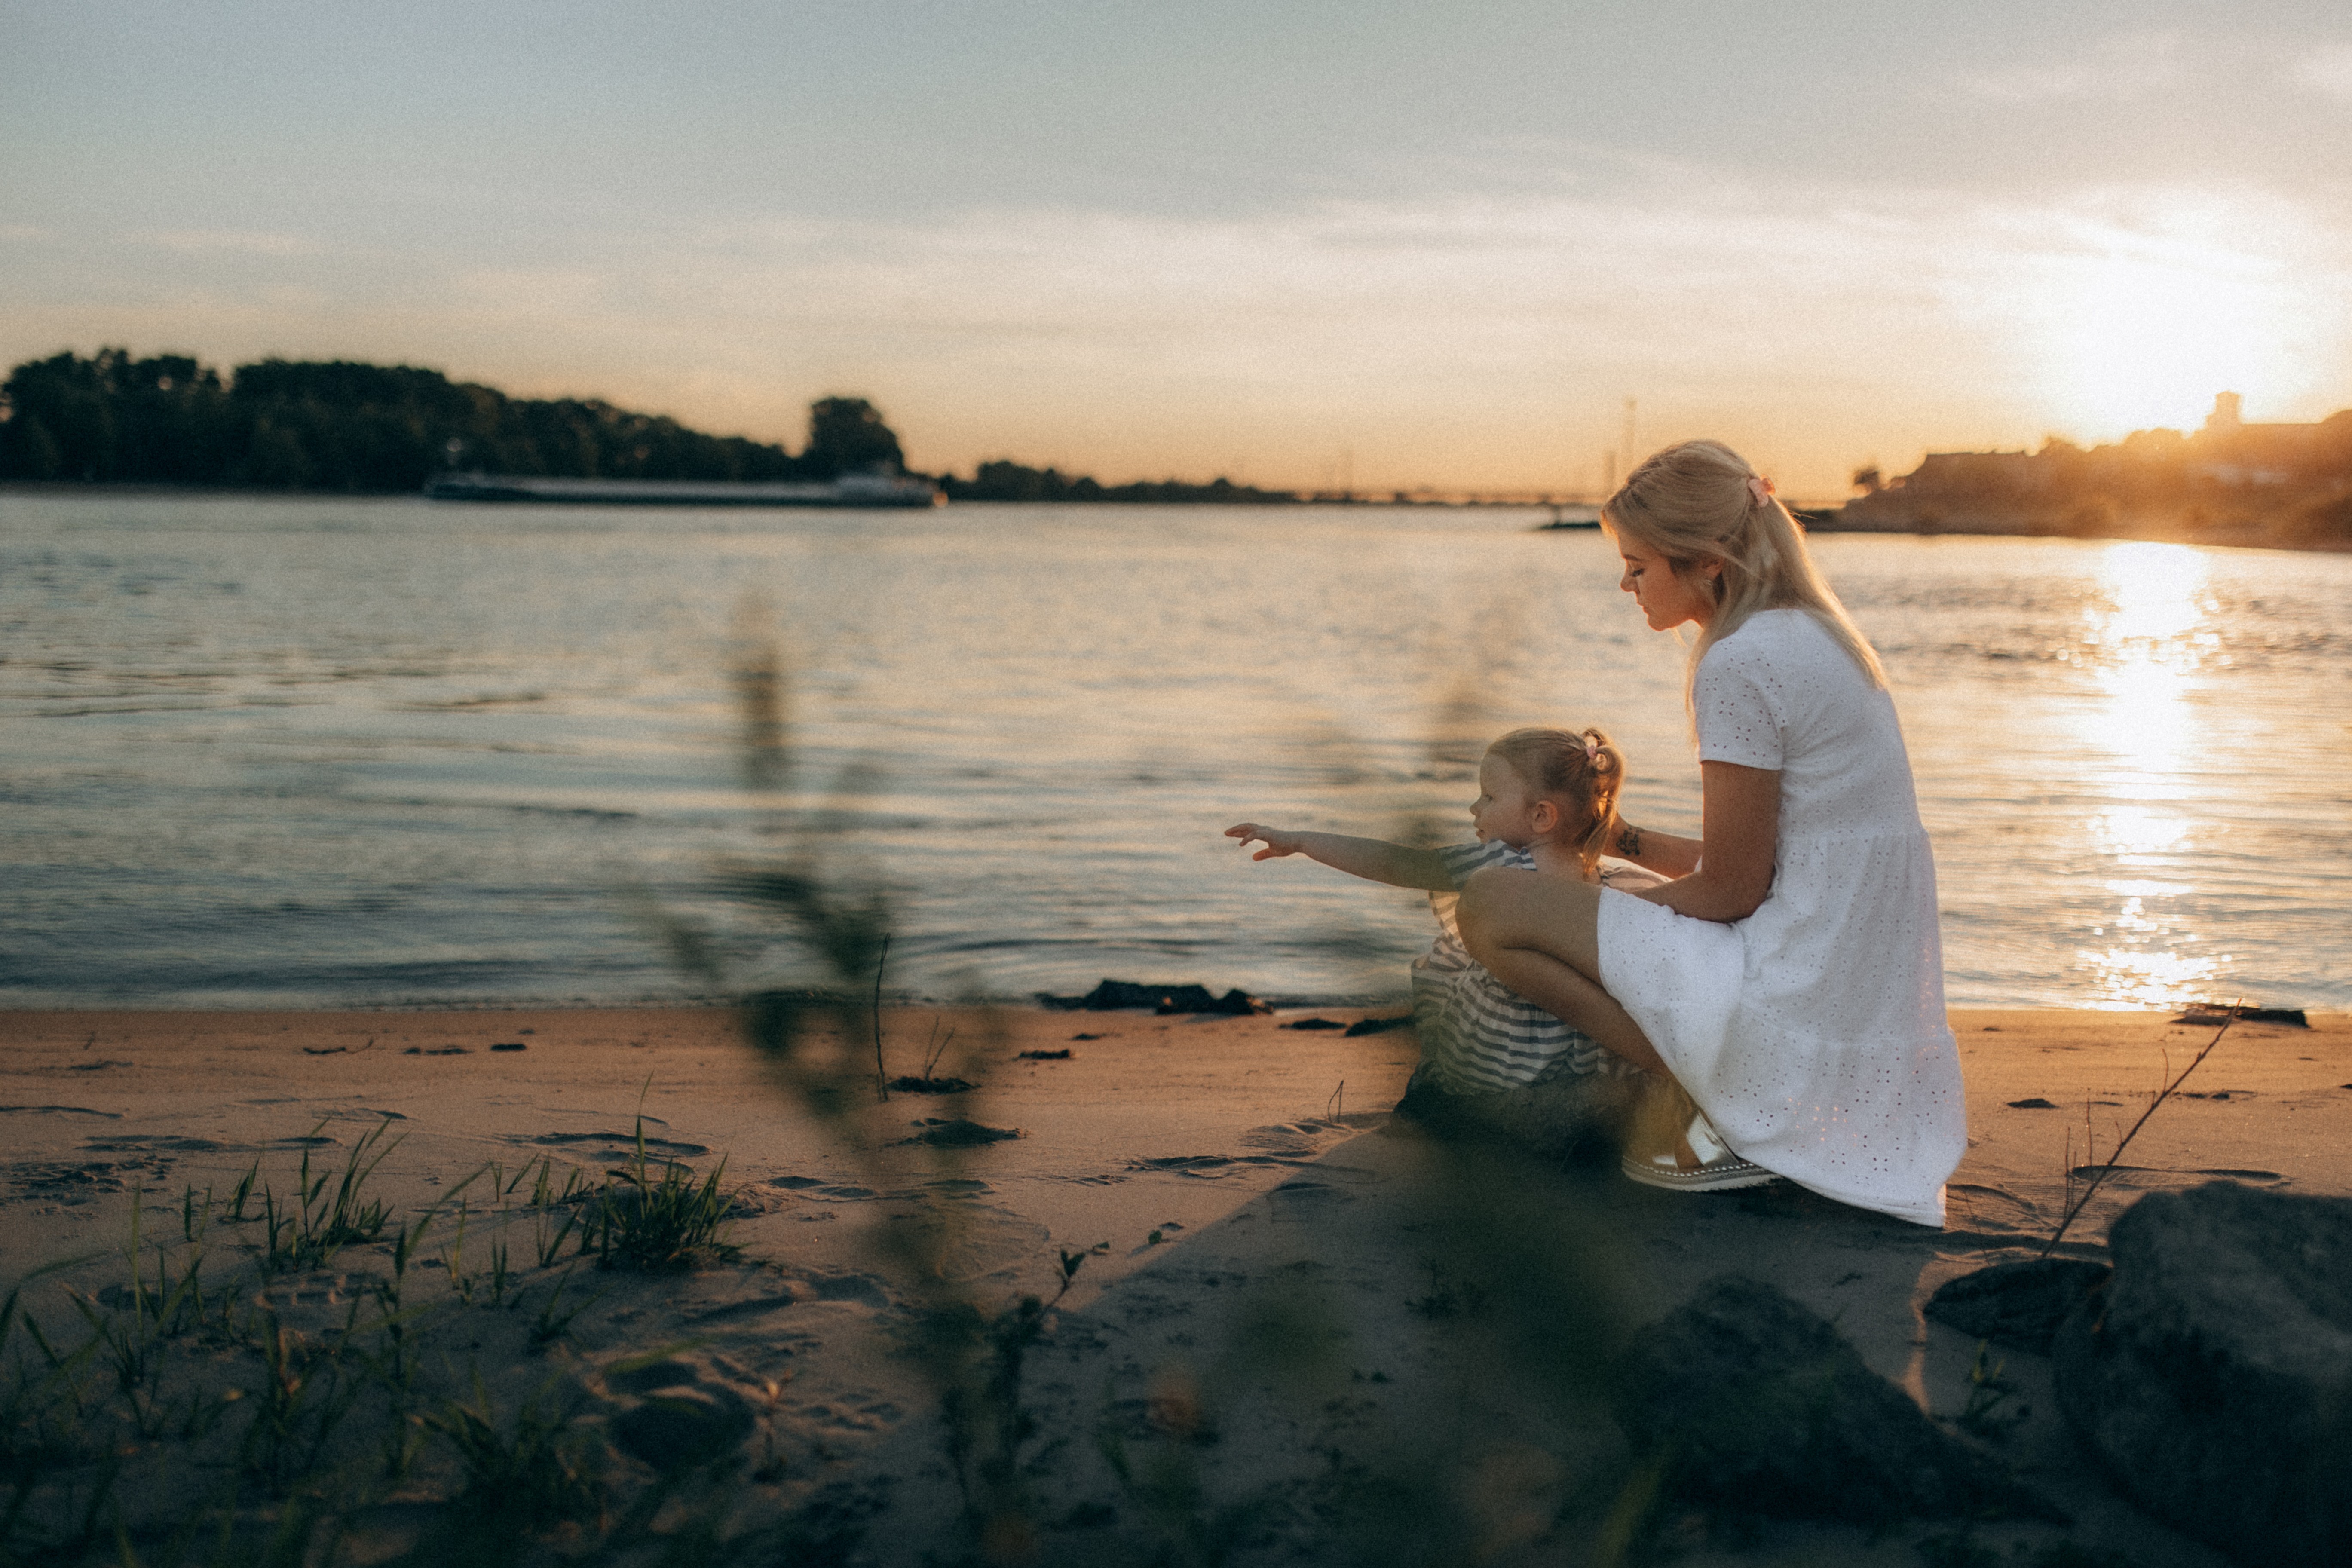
x=1629, y=842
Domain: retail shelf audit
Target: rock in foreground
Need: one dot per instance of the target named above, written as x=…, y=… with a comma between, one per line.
x=1762, y=1406
x=2213, y=1374
x=2020, y=1303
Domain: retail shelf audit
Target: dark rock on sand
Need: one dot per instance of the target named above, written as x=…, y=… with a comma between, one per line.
x=1377, y=1026
x=959, y=1133
x=2204, y=1016
x=2020, y=1303
x=907, y=1083
x=682, y=1425
x=1760, y=1406
x=2213, y=1372
x=1112, y=994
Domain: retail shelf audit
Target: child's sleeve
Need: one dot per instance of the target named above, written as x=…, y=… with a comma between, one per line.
x=1628, y=877
x=1461, y=859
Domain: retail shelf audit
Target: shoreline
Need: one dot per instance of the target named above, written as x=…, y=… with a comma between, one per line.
x=1819, y=519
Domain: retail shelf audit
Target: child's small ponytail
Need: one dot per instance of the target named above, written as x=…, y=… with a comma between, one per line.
x=1605, y=777
x=1581, y=773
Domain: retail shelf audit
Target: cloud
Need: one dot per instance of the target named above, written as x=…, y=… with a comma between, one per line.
x=2327, y=70
x=2125, y=67
x=232, y=242
x=1481, y=340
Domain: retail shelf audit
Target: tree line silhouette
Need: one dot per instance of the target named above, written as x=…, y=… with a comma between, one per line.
x=336, y=425
x=1004, y=480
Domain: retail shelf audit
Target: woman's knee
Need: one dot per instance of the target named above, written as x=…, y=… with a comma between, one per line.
x=1502, y=908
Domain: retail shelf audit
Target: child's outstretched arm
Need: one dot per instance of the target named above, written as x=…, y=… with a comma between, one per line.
x=1373, y=859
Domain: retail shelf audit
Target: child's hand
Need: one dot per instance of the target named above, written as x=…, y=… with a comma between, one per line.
x=1278, y=842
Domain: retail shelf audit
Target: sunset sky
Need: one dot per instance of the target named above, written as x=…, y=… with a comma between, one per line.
x=1401, y=243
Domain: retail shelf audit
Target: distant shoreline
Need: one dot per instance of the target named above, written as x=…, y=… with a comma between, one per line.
x=163, y=491
x=1821, y=521
x=2162, y=529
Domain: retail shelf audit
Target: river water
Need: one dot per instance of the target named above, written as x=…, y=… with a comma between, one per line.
x=319, y=752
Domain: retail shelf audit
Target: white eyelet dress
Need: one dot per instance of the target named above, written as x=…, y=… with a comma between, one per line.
x=1813, y=1033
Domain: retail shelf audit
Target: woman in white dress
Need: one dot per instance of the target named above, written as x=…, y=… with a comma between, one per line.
x=1789, y=977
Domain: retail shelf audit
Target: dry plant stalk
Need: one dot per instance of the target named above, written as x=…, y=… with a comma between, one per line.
x=2091, y=1188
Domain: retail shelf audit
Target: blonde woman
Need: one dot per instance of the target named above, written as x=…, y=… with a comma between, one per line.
x=1789, y=975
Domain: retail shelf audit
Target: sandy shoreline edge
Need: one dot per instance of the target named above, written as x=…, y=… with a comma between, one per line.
x=1185, y=1160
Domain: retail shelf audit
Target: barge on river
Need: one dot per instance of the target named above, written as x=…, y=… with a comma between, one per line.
x=849, y=490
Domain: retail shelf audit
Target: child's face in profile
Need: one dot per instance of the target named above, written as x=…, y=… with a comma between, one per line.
x=1504, y=808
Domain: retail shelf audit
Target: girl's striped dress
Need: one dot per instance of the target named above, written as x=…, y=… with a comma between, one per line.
x=1476, y=1036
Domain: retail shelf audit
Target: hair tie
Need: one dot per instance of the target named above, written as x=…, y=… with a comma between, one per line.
x=1761, y=488
x=1592, y=756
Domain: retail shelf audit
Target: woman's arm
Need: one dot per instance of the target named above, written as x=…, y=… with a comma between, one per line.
x=1373, y=859
x=1668, y=854
x=1739, y=814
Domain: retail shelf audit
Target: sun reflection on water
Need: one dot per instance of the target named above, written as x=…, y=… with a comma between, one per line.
x=2147, y=634
x=2145, y=640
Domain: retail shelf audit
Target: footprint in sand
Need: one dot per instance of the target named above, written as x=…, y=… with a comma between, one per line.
x=2168, y=1176
x=149, y=1143
x=80, y=1182
x=626, y=1143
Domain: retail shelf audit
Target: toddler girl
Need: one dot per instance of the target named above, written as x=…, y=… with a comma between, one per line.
x=1546, y=804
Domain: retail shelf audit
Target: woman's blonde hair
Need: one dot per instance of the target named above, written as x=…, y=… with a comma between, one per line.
x=1581, y=773
x=1701, y=499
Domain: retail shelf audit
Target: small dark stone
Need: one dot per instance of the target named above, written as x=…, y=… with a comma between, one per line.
x=909, y=1084
x=2213, y=1372
x=2020, y=1303
x=682, y=1426
x=1113, y=994
x=2204, y=1017
x=509, y=1046
x=1760, y=1406
x=1378, y=1025
x=1060, y=1056
x=956, y=1132
x=1313, y=1023
x=2037, y=1103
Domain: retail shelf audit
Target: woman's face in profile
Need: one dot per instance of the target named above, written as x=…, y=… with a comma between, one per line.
x=1668, y=598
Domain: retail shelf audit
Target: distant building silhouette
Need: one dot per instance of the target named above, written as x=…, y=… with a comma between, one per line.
x=2231, y=452
x=2252, y=482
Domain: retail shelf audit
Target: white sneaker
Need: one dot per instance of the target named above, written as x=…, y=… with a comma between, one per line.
x=1718, y=1170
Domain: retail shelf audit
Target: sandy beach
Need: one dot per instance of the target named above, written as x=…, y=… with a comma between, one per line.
x=1280, y=1302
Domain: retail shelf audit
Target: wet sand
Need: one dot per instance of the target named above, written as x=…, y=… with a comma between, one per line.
x=1195, y=1165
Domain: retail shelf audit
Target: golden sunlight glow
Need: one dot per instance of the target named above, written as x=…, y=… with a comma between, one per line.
x=2127, y=976
x=2144, y=337
x=2146, y=641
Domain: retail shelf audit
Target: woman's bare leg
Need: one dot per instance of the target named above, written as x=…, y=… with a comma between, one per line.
x=1541, y=936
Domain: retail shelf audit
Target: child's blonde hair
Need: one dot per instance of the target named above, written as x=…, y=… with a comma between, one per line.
x=1580, y=773
x=1701, y=499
